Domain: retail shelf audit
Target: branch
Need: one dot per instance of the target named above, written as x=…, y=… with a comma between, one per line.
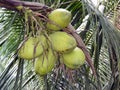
x=12, y=4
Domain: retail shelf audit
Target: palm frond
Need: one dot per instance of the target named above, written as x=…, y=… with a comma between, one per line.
x=99, y=35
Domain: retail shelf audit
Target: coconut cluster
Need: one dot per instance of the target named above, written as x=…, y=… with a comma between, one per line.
x=46, y=50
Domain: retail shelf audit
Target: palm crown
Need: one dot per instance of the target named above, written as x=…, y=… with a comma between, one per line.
x=98, y=29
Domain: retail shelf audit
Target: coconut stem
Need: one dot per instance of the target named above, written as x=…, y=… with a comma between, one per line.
x=13, y=4
x=70, y=29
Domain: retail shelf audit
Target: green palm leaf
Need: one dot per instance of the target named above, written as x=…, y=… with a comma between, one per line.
x=100, y=36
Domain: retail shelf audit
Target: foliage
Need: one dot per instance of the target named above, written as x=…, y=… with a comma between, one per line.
x=102, y=40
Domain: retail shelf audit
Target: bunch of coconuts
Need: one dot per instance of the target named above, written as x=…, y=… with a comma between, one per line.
x=45, y=50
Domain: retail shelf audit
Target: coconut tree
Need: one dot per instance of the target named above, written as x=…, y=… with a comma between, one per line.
x=94, y=26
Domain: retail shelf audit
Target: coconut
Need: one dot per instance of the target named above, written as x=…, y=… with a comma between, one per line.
x=62, y=42
x=74, y=59
x=46, y=62
x=32, y=47
x=59, y=19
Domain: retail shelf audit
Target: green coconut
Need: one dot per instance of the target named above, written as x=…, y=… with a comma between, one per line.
x=60, y=18
x=32, y=47
x=62, y=42
x=46, y=62
x=74, y=59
